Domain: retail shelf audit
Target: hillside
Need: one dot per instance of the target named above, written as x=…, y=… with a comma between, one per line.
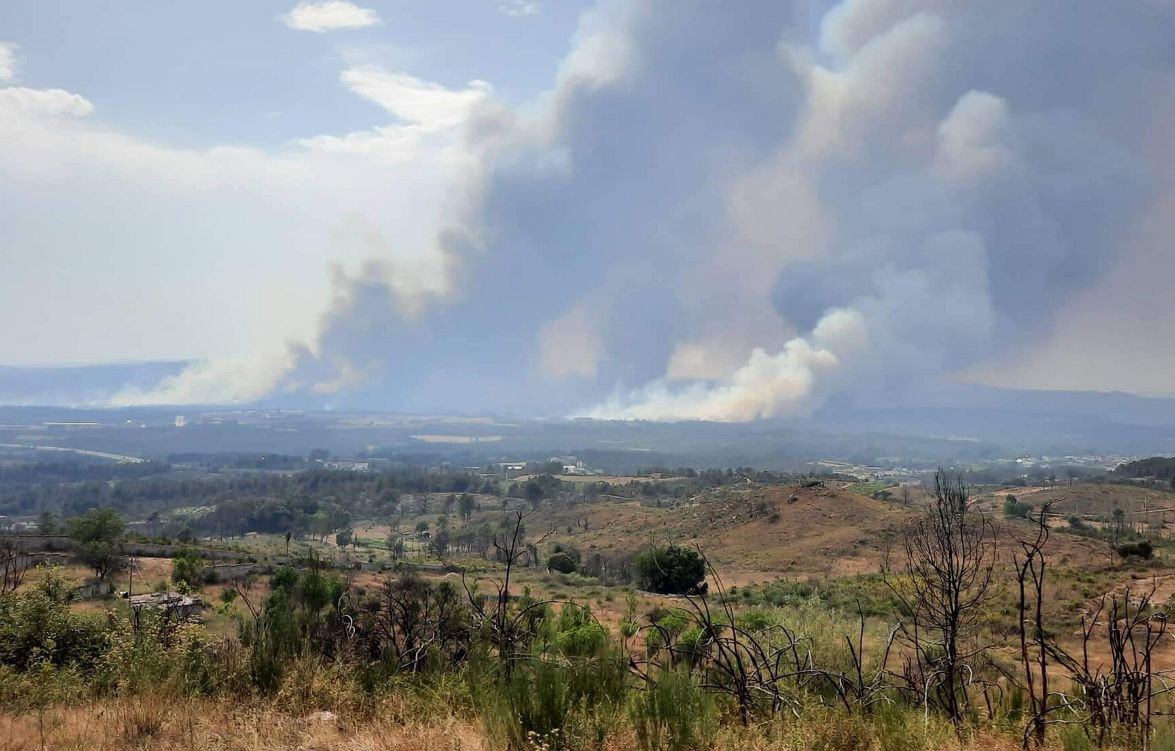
x=1144, y=509
x=1161, y=468
x=749, y=532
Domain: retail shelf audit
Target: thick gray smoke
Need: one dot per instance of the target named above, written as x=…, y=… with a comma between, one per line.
x=730, y=211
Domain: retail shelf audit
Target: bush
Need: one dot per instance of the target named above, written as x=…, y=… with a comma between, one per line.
x=575, y=632
x=561, y=563
x=1016, y=509
x=674, y=714
x=671, y=570
x=554, y=704
x=1075, y=738
x=188, y=568
x=273, y=640
x=1141, y=549
x=35, y=628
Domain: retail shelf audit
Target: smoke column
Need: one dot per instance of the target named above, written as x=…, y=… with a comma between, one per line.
x=732, y=212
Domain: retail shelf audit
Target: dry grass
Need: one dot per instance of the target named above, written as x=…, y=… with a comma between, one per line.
x=822, y=532
x=158, y=723
x=1093, y=498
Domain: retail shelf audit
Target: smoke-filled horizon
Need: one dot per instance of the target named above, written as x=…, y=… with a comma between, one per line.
x=736, y=212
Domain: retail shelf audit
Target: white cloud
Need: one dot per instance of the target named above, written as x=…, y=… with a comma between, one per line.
x=201, y=222
x=330, y=15
x=428, y=113
x=47, y=134
x=7, y=61
x=16, y=101
x=520, y=8
x=413, y=100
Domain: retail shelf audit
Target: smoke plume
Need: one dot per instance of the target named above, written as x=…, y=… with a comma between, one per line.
x=729, y=212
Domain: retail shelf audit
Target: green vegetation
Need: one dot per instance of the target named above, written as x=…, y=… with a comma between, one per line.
x=561, y=563
x=98, y=535
x=670, y=570
x=37, y=627
x=1140, y=549
x=871, y=489
x=847, y=595
x=1016, y=509
x=262, y=500
x=188, y=569
x=517, y=636
x=1160, y=468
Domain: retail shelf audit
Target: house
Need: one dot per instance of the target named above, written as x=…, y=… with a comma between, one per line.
x=350, y=465
x=573, y=466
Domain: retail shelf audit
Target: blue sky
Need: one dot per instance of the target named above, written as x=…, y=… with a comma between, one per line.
x=227, y=71
x=119, y=261
x=654, y=209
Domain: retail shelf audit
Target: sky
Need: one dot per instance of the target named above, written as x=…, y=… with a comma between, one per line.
x=635, y=209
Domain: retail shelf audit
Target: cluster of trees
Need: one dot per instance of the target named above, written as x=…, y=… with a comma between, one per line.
x=1161, y=468
x=537, y=488
x=300, y=515
x=656, y=482
x=713, y=478
x=242, y=461
x=32, y=473
x=362, y=492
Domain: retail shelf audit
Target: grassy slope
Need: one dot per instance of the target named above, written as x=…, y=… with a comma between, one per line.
x=821, y=533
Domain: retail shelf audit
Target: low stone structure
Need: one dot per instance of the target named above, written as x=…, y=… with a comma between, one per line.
x=171, y=603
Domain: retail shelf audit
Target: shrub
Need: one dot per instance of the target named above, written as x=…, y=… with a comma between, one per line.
x=673, y=714
x=575, y=632
x=153, y=652
x=1016, y=509
x=1075, y=738
x=755, y=620
x=671, y=570
x=562, y=563
x=1141, y=549
x=554, y=704
x=284, y=578
x=188, y=568
x=35, y=628
x=273, y=639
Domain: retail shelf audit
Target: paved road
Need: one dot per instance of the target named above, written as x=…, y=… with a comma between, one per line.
x=86, y=452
